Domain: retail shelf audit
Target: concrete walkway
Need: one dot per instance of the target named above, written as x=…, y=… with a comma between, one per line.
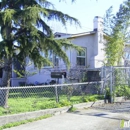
x=83, y=119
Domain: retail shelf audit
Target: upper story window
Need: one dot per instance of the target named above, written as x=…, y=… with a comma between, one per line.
x=81, y=57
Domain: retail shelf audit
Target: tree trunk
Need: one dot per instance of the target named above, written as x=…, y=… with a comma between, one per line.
x=5, y=82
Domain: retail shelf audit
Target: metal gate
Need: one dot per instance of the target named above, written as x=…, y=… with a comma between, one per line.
x=116, y=82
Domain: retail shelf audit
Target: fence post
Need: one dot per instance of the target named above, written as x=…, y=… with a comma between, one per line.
x=56, y=93
x=102, y=76
x=102, y=72
x=111, y=93
x=113, y=84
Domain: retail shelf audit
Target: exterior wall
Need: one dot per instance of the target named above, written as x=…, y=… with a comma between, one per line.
x=38, y=76
x=99, y=54
x=86, y=42
x=16, y=81
x=42, y=76
x=94, y=52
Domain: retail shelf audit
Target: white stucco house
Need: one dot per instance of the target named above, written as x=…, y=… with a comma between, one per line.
x=93, y=56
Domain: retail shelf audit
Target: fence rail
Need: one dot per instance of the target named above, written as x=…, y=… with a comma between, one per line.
x=58, y=85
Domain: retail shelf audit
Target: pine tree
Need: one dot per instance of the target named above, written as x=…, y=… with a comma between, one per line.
x=24, y=29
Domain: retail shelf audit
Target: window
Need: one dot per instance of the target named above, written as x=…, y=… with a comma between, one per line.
x=53, y=58
x=81, y=58
x=56, y=60
x=1, y=72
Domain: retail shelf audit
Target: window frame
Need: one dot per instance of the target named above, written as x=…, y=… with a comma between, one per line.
x=85, y=56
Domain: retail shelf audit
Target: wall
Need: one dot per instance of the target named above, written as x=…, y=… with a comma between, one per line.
x=99, y=54
x=44, y=76
x=16, y=81
x=86, y=41
x=94, y=58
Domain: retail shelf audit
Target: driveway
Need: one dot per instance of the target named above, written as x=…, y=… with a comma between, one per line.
x=83, y=119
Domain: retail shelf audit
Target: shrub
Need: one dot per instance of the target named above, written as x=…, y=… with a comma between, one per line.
x=65, y=103
x=123, y=91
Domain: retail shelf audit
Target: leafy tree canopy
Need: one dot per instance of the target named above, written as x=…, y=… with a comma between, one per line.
x=24, y=29
x=117, y=33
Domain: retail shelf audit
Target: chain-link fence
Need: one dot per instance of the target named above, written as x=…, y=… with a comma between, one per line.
x=107, y=82
x=121, y=81
x=31, y=98
x=116, y=82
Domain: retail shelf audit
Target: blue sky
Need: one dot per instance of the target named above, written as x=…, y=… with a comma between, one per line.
x=84, y=11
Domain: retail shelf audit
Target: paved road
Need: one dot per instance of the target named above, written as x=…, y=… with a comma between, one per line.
x=83, y=119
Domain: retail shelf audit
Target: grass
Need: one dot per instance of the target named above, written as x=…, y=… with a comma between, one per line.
x=36, y=102
x=23, y=122
x=72, y=109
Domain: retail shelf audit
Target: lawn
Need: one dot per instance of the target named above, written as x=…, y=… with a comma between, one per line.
x=24, y=103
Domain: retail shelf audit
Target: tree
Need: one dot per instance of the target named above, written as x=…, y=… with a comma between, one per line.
x=117, y=33
x=25, y=33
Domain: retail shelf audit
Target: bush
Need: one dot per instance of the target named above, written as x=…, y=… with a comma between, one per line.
x=107, y=95
x=123, y=91
x=84, y=99
x=92, y=98
x=65, y=103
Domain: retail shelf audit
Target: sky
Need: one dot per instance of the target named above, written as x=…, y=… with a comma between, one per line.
x=84, y=11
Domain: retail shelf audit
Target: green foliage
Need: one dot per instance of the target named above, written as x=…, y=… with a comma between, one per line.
x=117, y=33
x=24, y=29
x=65, y=103
x=7, y=15
x=69, y=91
x=114, y=49
x=123, y=90
x=84, y=78
x=107, y=93
x=72, y=109
x=35, y=102
x=25, y=34
x=122, y=124
x=92, y=98
x=24, y=122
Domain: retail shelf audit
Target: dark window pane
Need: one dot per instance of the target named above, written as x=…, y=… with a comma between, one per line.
x=80, y=61
x=81, y=53
x=1, y=72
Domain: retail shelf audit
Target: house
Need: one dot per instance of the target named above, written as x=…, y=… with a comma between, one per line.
x=91, y=58
x=92, y=42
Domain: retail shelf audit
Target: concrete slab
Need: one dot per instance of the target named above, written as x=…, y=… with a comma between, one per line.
x=83, y=119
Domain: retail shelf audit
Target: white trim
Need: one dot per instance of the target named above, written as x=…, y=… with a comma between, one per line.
x=85, y=57
x=76, y=35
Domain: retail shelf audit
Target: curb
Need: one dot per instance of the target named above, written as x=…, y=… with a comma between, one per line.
x=89, y=104
x=55, y=111
x=30, y=115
